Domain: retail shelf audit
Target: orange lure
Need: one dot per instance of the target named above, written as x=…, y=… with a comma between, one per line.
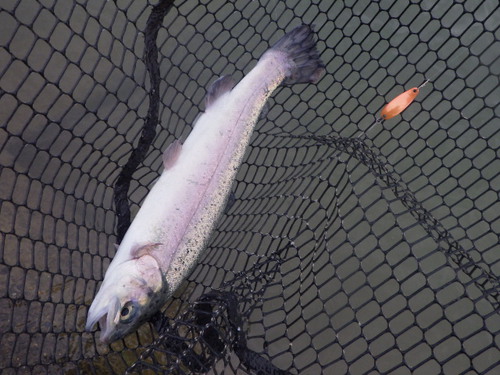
x=399, y=103
x=396, y=106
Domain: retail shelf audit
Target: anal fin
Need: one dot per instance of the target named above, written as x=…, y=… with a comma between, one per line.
x=171, y=154
x=217, y=89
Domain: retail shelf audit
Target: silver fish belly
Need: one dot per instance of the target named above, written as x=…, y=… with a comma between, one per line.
x=178, y=216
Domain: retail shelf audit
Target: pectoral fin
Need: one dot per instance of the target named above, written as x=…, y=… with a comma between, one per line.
x=148, y=249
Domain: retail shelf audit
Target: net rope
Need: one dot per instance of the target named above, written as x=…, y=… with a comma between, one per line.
x=336, y=254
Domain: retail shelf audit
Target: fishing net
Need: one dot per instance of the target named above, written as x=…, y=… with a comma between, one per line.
x=344, y=248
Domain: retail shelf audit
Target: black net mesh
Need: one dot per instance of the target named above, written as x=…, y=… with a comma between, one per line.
x=336, y=254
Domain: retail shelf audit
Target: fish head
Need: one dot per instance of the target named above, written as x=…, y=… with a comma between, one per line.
x=129, y=295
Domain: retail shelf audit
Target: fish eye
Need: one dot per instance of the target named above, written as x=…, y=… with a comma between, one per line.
x=128, y=311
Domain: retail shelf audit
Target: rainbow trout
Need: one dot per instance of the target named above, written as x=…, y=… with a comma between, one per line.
x=178, y=216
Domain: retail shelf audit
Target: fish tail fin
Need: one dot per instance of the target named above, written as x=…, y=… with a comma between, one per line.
x=299, y=45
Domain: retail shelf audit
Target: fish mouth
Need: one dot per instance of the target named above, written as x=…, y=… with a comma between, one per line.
x=102, y=320
x=105, y=333
x=105, y=317
x=92, y=320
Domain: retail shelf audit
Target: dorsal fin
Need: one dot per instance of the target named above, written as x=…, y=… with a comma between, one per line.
x=218, y=88
x=171, y=154
x=264, y=111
